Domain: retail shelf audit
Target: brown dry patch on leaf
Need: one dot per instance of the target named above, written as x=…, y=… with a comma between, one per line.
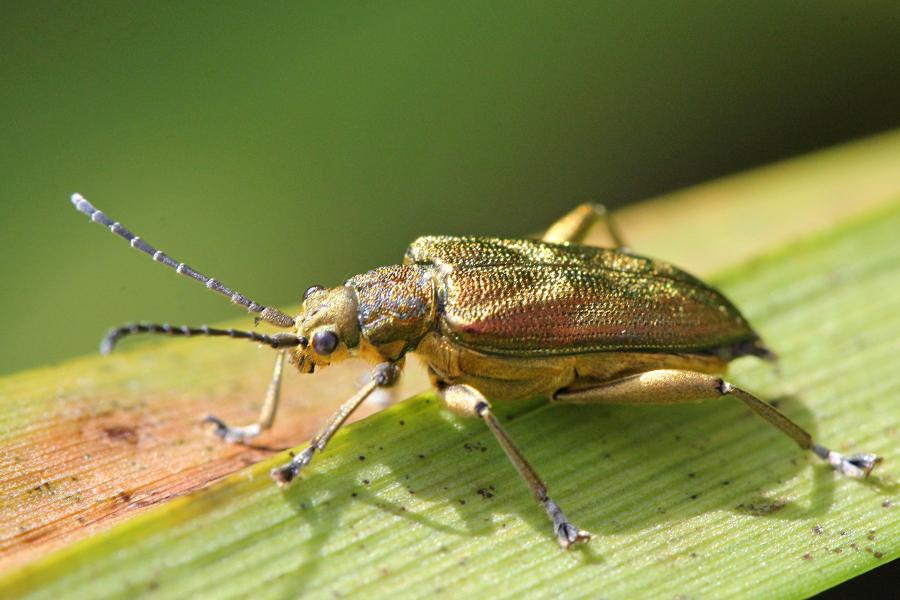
x=93, y=457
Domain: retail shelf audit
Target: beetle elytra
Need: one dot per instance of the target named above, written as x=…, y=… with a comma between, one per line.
x=507, y=319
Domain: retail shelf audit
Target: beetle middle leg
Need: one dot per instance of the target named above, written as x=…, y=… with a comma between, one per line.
x=574, y=226
x=466, y=401
x=670, y=386
x=384, y=375
x=237, y=434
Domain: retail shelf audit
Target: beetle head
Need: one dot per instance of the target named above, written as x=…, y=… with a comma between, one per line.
x=329, y=326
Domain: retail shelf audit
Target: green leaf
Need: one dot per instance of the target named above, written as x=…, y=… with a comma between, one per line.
x=697, y=500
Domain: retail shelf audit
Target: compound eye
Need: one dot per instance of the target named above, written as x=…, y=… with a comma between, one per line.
x=312, y=290
x=324, y=342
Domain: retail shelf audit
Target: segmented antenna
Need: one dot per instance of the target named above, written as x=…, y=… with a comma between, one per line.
x=267, y=313
x=279, y=340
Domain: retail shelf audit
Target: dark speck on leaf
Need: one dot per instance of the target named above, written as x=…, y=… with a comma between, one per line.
x=365, y=482
x=122, y=433
x=694, y=496
x=361, y=457
x=353, y=494
x=692, y=475
x=402, y=422
x=807, y=556
x=462, y=501
x=421, y=456
x=761, y=507
x=877, y=554
x=817, y=529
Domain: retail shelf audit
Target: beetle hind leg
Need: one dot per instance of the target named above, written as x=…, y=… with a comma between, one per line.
x=240, y=434
x=671, y=386
x=855, y=465
x=574, y=226
x=466, y=401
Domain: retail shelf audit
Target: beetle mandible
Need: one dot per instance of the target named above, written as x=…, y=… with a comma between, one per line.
x=507, y=319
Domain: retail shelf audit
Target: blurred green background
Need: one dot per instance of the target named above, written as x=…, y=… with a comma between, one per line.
x=283, y=144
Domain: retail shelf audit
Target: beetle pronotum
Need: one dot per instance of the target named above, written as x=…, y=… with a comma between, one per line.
x=507, y=319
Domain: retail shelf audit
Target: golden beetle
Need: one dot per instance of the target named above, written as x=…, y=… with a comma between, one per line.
x=508, y=319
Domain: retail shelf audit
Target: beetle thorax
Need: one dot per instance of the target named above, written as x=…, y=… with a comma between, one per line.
x=397, y=306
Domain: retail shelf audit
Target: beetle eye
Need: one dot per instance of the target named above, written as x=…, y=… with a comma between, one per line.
x=312, y=290
x=325, y=342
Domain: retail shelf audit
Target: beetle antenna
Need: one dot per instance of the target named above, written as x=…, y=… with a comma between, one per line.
x=267, y=313
x=279, y=340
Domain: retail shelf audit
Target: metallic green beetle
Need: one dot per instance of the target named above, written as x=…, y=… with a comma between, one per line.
x=509, y=319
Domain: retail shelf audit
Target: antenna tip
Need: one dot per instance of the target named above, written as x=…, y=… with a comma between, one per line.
x=109, y=342
x=76, y=198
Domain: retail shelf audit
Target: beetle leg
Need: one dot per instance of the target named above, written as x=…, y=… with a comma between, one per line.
x=575, y=226
x=234, y=434
x=670, y=386
x=466, y=401
x=384, y=375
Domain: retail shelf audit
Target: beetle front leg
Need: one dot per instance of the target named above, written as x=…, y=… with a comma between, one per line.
x=466, y=401
x=384, y=375
x=574, y=226
x=237, y=434
x=671, y=386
